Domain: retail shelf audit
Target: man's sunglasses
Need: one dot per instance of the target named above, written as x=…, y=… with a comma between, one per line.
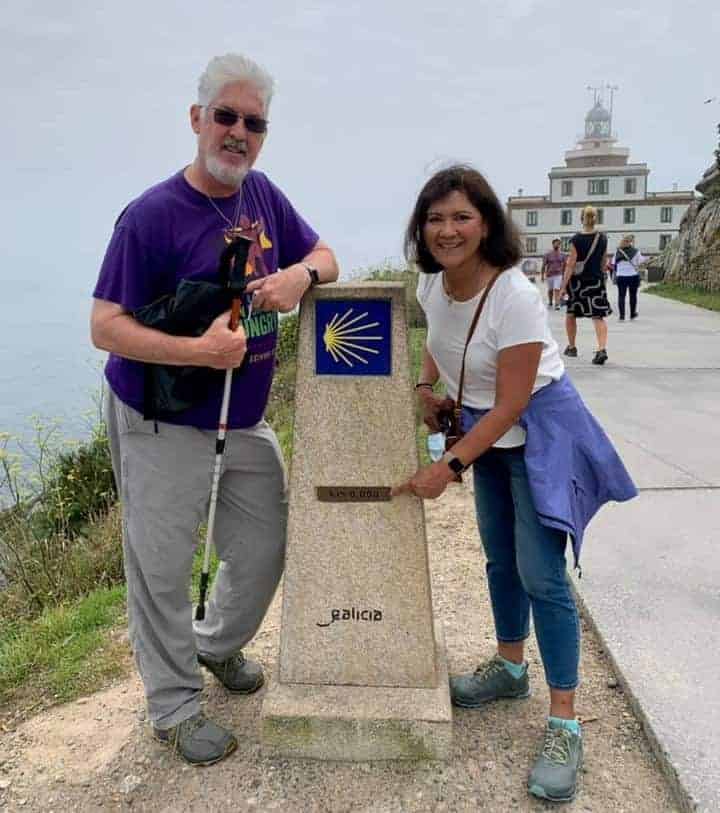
x=229, y=118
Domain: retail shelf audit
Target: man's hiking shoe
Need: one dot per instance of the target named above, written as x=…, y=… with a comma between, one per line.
x=198, y=740
x=490, y=681
x=600, y=357
x=237, y=674
x=555, y=773
x=570, y=351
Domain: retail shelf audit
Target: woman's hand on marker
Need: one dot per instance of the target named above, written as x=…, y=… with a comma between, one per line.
x=428, y=482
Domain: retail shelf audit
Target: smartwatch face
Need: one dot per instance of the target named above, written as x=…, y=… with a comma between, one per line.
x=456, y=465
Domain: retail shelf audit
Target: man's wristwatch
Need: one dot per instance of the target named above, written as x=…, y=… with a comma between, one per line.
x=313, y=274
x=455, y=464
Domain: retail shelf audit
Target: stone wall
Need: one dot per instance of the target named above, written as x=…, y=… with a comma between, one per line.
x=693, y=257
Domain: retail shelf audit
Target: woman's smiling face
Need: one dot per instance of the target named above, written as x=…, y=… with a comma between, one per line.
x=453, y=231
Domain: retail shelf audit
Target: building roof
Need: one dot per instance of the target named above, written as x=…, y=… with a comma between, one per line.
x=598, y=113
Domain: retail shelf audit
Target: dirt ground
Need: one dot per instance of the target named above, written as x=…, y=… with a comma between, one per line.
x=96, y=753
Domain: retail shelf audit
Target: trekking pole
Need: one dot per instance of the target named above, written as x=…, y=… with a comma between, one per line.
x=235, y=255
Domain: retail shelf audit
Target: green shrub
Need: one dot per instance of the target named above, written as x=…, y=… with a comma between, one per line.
x=81, y=486
x=280, y=409
x=57, y=540
x=390, y=273
x=45, y=570
x=287, y=339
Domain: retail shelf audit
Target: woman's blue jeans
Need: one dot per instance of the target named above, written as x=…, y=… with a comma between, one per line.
x=525, y=566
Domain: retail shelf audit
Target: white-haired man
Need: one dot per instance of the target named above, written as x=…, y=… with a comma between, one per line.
x=174, y=231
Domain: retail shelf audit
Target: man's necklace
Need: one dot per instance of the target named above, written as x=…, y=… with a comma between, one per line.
x=233, y=231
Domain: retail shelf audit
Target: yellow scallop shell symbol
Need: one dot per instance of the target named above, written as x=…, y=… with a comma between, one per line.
x=346, y=340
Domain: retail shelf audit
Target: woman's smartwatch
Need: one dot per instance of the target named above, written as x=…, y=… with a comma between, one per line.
x=454, y=463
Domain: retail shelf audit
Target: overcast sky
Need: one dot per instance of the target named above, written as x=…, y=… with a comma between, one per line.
x=371, y=98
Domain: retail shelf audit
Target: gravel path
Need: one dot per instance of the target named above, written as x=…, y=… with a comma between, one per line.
x=96, y=753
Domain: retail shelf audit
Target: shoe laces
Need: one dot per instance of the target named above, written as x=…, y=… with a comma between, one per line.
x=231, y=664
x=556, y=748
x=489, y=668
x=187, y=727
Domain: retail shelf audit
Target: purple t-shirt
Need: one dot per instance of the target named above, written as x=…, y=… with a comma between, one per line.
x=554, y=263
x=172, y=232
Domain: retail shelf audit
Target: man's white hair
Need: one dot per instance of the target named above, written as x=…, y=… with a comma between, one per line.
x=222, y=70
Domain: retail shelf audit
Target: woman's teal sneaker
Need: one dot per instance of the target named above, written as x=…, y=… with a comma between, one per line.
x=555, y=774
x=490, y=681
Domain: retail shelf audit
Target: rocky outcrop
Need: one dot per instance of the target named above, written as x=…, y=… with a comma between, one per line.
x=693, y=257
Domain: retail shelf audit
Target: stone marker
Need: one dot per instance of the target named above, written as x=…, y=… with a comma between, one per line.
x=362, y=672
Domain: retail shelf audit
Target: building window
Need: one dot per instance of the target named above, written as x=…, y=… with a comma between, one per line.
x=566, y=188
x=600, y=217
x=566, y=217
x=628, y=215
x=666, y=214
x=530, y=245
x=630, y=186
x=531, y=219
x=665, y=241
x=600, y=186
x=565, y=243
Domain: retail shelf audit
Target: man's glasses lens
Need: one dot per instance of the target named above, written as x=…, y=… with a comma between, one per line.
x=228, y=118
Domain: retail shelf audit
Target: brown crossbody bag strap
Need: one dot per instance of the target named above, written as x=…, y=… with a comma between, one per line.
x=457, y=411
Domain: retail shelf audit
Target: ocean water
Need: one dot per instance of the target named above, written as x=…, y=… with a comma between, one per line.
x=48, y=367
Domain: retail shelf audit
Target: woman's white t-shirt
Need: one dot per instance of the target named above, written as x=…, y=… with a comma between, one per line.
x=625, y=268
x=513, y=314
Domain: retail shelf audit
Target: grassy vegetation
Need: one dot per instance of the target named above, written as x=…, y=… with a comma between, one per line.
x=64, y=652
x=281, y=405
x=691, y=296
x=59, y=538
x=61, y=553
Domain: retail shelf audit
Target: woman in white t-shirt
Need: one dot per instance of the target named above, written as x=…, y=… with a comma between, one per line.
x=460, y=238
x=627, y=274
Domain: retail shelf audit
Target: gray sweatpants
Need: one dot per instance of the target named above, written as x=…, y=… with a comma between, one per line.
x=164, y=481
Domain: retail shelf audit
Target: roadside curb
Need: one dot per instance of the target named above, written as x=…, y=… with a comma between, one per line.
x=687, y=802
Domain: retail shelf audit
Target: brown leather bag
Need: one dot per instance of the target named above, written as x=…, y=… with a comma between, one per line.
x=452, y=418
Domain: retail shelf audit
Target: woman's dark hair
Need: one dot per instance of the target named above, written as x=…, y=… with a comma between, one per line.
x=500, y=249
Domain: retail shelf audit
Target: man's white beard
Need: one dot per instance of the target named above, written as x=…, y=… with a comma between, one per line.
x=225, y=174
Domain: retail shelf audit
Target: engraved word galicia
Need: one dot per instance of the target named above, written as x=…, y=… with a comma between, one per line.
x=352, y=614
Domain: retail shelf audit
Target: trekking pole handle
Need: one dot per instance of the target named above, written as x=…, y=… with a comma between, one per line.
x=235, y=314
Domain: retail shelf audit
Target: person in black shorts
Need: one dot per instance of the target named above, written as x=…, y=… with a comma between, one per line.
x=586, y=291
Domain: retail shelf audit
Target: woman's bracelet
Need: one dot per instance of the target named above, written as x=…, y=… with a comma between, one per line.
x=424, y=384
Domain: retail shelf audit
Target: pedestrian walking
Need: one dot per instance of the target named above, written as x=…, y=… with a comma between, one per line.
x=584, y=282
x=174, y=237
x=552, y=271
x=542, y=466
x=627, y=275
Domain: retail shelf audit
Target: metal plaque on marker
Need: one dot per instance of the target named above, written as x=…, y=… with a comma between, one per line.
x=353, y=493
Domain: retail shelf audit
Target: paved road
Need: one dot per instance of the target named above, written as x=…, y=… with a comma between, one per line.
x=651, y=567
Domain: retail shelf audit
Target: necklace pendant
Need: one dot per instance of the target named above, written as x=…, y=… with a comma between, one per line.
x=232, y=234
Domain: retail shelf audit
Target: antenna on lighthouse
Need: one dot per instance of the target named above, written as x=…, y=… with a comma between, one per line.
x=612, y=89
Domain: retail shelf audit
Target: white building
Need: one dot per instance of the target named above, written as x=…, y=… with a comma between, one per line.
x=598, y=173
